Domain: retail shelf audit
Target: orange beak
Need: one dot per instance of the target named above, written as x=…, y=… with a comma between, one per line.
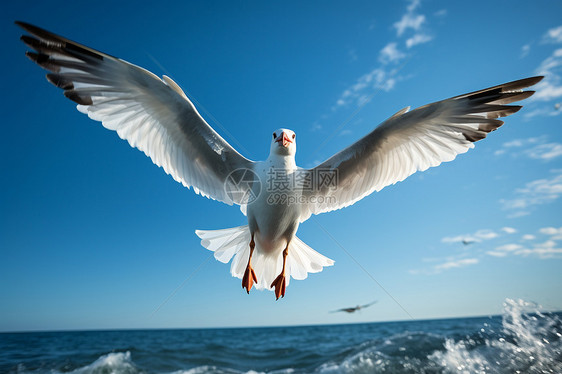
x=283, y=140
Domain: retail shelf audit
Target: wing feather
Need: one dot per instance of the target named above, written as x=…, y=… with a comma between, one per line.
x=152, y=114
x=411, y=141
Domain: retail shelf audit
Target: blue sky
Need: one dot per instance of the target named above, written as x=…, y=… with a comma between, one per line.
x=93, y=235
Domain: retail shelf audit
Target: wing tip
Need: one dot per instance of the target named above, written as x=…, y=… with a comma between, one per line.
x=77, y=98
x=521, y=83
x=531, y=81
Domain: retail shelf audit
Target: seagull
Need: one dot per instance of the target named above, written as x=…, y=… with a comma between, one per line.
x=154, y=115
x=353, y=309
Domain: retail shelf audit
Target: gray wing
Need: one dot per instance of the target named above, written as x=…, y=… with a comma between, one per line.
x=368, y=305
x=152, y=114
x=347, y=310
x=408, y=142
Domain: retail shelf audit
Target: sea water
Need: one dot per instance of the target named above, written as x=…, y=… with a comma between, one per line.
x=522, y=340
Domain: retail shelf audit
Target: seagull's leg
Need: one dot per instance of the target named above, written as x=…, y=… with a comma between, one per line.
x=249, y=275
x=279, y=282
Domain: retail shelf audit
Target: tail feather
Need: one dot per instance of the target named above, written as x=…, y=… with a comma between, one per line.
x=233, y=243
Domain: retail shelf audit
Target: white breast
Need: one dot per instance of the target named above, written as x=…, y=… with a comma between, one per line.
x=274, y=215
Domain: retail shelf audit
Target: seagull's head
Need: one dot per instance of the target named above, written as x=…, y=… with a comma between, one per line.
x=283, y=142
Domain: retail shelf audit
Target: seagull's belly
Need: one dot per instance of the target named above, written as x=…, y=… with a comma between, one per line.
x=274, y=219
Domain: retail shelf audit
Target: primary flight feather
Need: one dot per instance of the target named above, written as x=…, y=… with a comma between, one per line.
x=154, y=115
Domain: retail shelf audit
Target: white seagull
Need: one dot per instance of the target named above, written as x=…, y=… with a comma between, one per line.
x=154, y=115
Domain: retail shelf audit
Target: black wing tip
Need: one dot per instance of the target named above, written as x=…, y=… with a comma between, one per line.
x=22, y=24
x=473, y=136
x=37, y=31
x=43, y=35
x=533, y=80
x=26, y=26
x=525, y=95
x=59, y=81
x=30, y=41
x=77, y=98
x=522, y=83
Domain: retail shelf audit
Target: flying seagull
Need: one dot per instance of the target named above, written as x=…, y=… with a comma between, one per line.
x=154, y=115
x=353, y=309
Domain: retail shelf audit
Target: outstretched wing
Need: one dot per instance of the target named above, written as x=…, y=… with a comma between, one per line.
x=408, y=142
x=368, y=305
x=347, y=310
x=152, y=114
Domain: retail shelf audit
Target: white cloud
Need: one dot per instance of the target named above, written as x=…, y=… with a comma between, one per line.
x=509, y=230
x=478, y=236
x=535, y=148
x=553, y=35
x=550, y=87
x=485, y=234
x=528, y=237
x=543, y=111
x=555, y=233
x=441, y=13
x=515, y=143
x=385, y=76
x=443, y=264
x=509, y=247
x=549, y=231
x=390, y=53
x=375, y=79
x=316, y=126
x=538, y=192
x=511, y=144
x=457, y=239
x=545, y=151
x=414, y=4
x=543, y=251
x=525, y=50
x=496, y=253
x=417, y=39
x=409, y=21
x=455, y=264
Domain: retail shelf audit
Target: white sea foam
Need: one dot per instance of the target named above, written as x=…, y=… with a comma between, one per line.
x=524, y=346
x=111, y=363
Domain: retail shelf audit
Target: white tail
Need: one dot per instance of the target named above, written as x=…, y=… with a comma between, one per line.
x=235, y=241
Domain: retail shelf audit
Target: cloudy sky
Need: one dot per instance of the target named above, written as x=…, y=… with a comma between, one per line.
x=93, y=235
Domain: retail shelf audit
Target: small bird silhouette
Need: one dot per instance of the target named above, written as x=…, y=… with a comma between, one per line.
x=353, y=309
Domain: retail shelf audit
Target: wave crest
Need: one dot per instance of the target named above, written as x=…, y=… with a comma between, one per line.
x=530, y=342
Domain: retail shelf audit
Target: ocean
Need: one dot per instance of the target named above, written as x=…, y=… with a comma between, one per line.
x=521, y=340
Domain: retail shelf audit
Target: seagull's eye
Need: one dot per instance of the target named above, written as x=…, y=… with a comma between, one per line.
x=294, y=136
x=274, y=135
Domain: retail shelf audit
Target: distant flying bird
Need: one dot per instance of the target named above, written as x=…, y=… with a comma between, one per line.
x=467, y=241
x=154, y=115
x=557, y=106
x=354, y=309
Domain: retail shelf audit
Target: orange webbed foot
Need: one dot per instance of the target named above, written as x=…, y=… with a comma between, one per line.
x=249, y=278
x=280, y=285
